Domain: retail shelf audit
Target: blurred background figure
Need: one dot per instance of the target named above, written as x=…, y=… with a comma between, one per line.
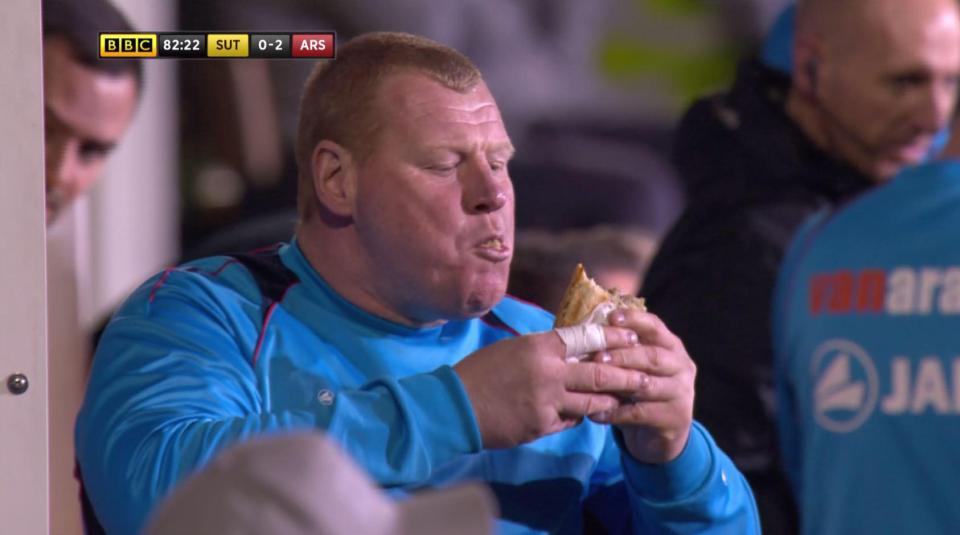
x=583, y=199
x=869, y=87
x=304, y=484
x=88, y=103
x=616, y=257
x=866, y=350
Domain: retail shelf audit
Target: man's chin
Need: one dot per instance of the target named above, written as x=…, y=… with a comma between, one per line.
x=891, y=167
x=479, y=303
x=914, y=155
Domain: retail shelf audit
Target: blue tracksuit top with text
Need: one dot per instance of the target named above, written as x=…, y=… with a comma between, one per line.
x=867, y=335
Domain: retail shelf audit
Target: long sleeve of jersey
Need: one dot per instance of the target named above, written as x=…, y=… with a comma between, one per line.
x=171, y=387
x=701, y=491
x=698, y=492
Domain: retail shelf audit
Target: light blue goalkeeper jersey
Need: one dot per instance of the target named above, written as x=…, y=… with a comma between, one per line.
x=867, y=334
x=219, y=350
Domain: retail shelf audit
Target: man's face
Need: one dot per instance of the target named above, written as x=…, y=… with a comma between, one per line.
x=86, y=113
x=888, y=90
x=434, y=204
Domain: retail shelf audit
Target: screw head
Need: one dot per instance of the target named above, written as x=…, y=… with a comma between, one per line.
x=17, y=384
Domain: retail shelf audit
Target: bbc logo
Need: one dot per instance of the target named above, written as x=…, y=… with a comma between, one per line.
x=128, y=45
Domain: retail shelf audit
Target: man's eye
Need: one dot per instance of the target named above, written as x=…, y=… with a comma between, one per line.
x=498, y=166
x=905, y=82
x=443, y=169
x=52, y=126
x=90, y=151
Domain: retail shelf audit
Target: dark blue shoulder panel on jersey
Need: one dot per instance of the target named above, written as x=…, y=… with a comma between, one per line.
x=268, y=271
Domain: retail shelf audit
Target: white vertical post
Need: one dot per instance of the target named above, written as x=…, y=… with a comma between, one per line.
x=23, y=346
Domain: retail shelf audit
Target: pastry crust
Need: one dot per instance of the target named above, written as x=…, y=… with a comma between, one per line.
x=584, y=294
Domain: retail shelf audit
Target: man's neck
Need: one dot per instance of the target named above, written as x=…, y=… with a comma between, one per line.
x=347, y=271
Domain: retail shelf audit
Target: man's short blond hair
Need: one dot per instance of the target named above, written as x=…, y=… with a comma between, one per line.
x=339, y=95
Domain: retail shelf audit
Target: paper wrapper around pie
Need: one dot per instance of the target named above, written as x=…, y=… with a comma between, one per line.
x=587, y=303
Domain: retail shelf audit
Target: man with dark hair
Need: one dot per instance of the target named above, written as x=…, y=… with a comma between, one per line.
x=385, y=324
x=873, y=83
x=89, y=102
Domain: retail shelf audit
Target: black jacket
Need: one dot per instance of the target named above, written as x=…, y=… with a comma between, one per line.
x=751, y=178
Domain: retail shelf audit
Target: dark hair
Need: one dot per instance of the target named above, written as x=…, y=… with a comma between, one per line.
x=80, y=22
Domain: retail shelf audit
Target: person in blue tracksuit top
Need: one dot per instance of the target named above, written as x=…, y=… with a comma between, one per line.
x=867, y=317
x=384, y=323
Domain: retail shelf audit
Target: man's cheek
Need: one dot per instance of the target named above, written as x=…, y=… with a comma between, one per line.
x=90, y=172
x=50, y=178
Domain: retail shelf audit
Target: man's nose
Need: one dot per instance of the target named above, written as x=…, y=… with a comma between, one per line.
x=65, y=164
x=484, y=189
x=74, y=175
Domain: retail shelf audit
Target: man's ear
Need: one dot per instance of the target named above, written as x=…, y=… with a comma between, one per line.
x=807, y=51
x=334, y=178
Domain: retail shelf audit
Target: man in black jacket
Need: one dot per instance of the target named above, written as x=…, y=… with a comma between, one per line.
x=874, y=82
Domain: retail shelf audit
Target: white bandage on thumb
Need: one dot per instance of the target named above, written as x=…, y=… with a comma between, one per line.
x=582, y=340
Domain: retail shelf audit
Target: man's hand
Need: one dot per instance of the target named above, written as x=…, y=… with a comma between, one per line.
x=522, y=389
x=655, y=419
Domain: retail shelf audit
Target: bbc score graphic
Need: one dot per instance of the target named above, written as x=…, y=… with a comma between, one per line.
x=205, y=45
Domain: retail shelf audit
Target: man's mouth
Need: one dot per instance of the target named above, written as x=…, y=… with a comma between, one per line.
x=493, y=243
x=493, y=249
